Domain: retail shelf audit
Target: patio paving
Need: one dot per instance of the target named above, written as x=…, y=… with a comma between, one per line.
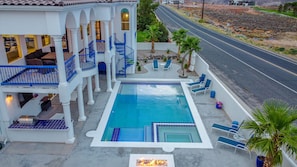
x=18, y=154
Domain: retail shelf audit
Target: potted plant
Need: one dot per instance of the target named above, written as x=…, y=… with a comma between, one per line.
x=273, y=129
x=260, y=160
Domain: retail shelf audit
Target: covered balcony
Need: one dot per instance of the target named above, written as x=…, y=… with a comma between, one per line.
x=35, y=75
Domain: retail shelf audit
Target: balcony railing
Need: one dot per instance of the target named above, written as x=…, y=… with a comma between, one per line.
x=100, y=46
x=29, y=75
x=35, y=75
x=110, y=42
x=70, y=68
x=87, y=61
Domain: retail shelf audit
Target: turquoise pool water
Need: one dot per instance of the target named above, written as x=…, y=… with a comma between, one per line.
x=150, y=112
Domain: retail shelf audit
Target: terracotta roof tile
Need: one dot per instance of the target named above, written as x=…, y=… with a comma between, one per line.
x=56, y=2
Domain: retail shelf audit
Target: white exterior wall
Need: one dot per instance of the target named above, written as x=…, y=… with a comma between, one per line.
x=233, y=106
x=158, y=46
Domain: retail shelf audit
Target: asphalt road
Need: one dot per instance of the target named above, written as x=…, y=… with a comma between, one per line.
x=253, y=74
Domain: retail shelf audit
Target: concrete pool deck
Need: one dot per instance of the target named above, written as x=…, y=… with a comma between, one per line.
x=18, y=154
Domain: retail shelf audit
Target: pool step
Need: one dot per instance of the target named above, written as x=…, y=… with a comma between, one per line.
x=148, y=134
x=131, y=134
x=115, y=134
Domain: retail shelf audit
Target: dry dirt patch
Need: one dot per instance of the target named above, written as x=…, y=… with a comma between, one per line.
x=269, y=31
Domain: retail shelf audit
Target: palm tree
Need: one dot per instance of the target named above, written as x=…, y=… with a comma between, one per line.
x=178, y=37
x=153, y=32
x=273, y=130
x=190, y=45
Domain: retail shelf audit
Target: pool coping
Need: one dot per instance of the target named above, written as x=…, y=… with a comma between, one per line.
x=168, y=147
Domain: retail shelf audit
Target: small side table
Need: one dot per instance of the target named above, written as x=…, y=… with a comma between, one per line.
x=239, y=137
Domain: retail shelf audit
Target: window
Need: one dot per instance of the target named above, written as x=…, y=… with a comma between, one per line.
x=98, y=30
x=81, y=31
x=125, y=19
x=64, y=42
x=88, y=29
x=30, y=43
x=46, y=40
x=11, y=47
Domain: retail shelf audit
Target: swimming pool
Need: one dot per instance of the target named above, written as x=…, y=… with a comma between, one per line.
x=160, y=113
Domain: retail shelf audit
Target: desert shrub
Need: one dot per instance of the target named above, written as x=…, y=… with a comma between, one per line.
x=280, y=49
x=201, y=21
x=293, y=51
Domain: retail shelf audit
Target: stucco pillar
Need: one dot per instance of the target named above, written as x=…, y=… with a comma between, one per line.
x=4, y=118
x=3, y=59
x=85, y=37
x=80, y=101
x=90, y=91
x=89, y=79
x=97, y=85
x=68, y=122
x=64, y=93
x=60, y=57
x=113, y=62
x=107, y=57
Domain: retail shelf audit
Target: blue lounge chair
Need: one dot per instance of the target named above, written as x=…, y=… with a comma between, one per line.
x=202, y=89
x=167, y=65
x=233, y=143
x=233, y=129
x=155, y=64
x=197, y=83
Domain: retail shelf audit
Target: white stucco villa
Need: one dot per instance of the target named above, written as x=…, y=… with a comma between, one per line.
x=55, y=47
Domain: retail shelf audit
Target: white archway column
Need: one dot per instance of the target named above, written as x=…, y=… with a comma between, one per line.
x=90, y=91
x=107, y=56
x=89, y=79
x=85, y=37
x=68, y=122
x=80, y=101
x=60, y=57
x=97, y=84
x=113, y=52
x=4, y=117
x=64, y=94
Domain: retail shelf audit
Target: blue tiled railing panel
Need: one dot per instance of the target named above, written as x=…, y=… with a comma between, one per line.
x=42, y=124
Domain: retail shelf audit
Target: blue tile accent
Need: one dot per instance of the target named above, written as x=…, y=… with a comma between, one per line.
x=42, y=124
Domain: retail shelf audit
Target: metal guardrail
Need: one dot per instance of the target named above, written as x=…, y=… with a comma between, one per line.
x=35, y=74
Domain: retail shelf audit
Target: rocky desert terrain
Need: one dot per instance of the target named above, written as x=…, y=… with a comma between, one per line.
x=277, y=33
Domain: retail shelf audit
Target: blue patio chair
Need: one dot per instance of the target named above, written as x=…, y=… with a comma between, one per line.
x=233, y=129
x=155, y=64
x=167, y=65
x=202, y=89
x=199, y=82
x=233, y=143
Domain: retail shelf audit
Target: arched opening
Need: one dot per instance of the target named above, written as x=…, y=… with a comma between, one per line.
x=125, y=19
x=102, y=68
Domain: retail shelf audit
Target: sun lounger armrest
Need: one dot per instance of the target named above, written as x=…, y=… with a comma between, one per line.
x=241, y=146
x=233, y=130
